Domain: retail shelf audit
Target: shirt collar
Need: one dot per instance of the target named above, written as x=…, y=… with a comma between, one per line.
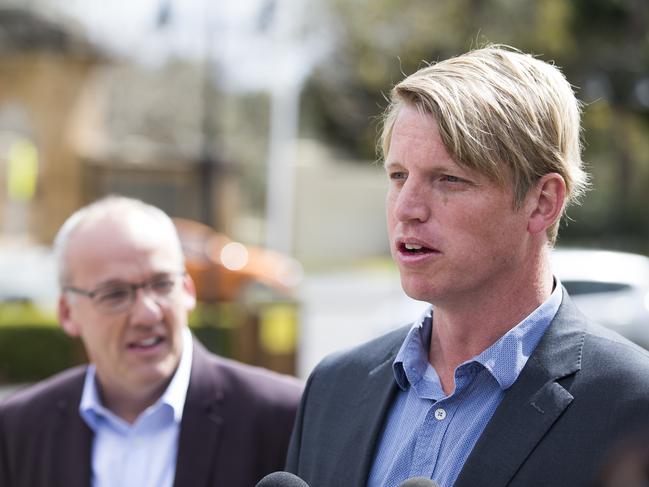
x=504, y=359
x=412, y=359
x=92, y=409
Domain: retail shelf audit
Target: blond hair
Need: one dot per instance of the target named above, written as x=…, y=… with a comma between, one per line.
x=502, y=113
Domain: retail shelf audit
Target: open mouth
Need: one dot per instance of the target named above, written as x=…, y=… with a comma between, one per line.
x=146, y=343
x=414, y=249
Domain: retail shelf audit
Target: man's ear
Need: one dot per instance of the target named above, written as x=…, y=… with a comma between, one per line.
x=189, y=292
x=546, y=201
x=65, y=317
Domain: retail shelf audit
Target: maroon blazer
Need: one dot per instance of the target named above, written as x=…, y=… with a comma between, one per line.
x=235, y=428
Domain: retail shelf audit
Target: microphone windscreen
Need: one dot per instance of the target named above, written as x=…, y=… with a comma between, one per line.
x=281, y=479
x=418, y=482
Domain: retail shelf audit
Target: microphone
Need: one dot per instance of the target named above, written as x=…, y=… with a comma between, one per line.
x=282, y=479
x=418, y=482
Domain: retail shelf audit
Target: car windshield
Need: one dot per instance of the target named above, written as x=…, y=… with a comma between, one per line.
x=576, y=288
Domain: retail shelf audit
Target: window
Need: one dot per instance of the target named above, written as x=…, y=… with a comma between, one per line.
x=576, y=288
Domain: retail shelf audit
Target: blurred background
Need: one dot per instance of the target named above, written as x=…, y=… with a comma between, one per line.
x=254, y=124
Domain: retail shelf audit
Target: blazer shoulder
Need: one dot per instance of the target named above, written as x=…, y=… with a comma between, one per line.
x=47, y=393
x=247, y=381
x=363, y=358
x=610, y=353
x=35, y=408
x=574, y=341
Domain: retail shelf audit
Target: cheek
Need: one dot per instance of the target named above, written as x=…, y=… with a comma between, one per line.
x=481, y=225
x=97, y=343
x=98, y=335
x=500, y=229
x=389, y=208
x=176, y=316
x=81, y=322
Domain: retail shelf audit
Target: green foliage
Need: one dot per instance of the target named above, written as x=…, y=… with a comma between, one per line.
x=217, y=326
x=380, y=42
x=32, y=352
x=29, y=353
x=25, y=312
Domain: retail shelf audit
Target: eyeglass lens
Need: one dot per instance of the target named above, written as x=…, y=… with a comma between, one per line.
x=119, y=297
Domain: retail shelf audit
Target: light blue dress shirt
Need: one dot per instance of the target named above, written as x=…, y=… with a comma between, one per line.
x=142, y=454
x=429, y=434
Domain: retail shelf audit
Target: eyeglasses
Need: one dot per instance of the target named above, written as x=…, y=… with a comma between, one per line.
x=119, y=297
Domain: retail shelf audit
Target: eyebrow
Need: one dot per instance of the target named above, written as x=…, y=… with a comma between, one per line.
x=121, y=282
x=111, y=283
x=433, y=168
x=387, y=164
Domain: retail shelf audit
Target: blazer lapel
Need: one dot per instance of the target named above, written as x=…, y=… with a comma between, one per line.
x=71, y=443
x=364, y=428
x=201, y=426
x=530, y=407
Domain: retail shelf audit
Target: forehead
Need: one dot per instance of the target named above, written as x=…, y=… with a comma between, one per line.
x=119, y=246
x=415, y=135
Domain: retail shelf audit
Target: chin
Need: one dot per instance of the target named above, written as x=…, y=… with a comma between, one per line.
x=159, y=371
x=419, y=289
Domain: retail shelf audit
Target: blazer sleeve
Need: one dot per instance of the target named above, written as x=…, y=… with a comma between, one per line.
x=4, y=462
x=293, y=455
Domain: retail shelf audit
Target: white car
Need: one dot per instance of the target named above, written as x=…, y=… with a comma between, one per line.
x=610, y=287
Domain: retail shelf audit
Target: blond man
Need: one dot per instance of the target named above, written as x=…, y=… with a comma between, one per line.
x=502, y=382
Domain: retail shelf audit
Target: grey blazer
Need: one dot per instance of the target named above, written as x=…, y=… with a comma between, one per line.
x=581, y=390
x=235, y=428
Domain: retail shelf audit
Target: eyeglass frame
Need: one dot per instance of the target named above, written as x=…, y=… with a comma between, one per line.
x=132, y=291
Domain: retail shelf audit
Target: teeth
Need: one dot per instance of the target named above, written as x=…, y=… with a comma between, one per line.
x=412, y=247
x=148, y=342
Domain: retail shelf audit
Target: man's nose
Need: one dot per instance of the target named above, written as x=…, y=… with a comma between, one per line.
x=146, y=307
x=411, y=203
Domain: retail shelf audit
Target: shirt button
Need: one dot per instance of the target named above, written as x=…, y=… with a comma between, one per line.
x=440, y=414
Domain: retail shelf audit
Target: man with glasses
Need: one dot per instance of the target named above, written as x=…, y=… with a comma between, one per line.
x=153, y=408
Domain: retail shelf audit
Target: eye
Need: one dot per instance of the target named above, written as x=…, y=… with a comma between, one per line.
x=163, y=285
x=450, y=179
x=397, y=175
x=113, y=295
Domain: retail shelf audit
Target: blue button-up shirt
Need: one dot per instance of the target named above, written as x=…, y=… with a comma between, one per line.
x=142, y=454
x=430, y=434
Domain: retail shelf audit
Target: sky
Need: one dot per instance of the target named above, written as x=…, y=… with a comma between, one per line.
x=247, y=40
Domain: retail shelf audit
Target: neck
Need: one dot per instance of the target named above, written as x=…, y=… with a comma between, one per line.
x=129, y=404
x=464, y=328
